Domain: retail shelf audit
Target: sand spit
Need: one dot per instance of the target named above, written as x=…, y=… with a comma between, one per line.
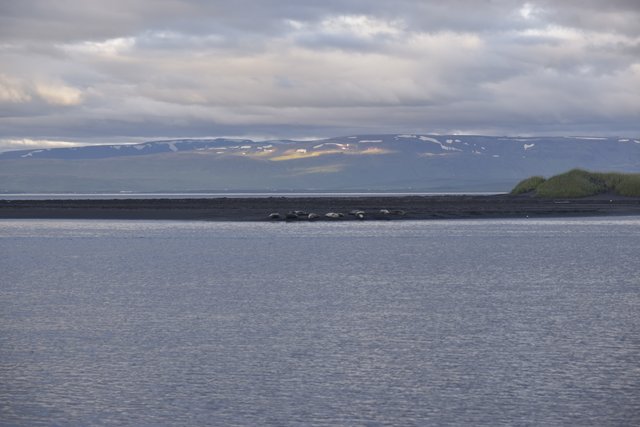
x=372, y=208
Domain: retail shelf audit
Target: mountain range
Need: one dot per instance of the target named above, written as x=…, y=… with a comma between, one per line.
x=438, y=163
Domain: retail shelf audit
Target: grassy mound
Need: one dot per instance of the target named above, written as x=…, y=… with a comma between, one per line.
x=580, y=183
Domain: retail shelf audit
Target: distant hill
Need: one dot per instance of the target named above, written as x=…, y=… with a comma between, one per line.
x=447, y=163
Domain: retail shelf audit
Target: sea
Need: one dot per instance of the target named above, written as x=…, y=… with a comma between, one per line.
x=396, y=323
x=126, y=195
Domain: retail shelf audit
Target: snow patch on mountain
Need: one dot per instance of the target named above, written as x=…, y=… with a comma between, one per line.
x=31, y=153
x=435, y=141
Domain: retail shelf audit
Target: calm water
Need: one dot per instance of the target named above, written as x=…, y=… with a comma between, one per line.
x=129, y=195
x=490, y=322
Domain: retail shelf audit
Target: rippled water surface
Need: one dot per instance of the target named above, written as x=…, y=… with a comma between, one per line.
x=489, y=322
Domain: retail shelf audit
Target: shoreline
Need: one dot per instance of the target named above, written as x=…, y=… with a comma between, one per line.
x=374, y=208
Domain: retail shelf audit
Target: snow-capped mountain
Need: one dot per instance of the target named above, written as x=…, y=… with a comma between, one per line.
x=357, y=162
x=121, y=150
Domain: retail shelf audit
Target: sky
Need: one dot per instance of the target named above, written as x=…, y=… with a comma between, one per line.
x=121, y=71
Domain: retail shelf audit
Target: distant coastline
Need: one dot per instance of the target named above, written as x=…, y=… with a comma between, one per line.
x=354, y=163
x=377, y=207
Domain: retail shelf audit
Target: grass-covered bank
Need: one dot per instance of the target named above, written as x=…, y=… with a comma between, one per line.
x=580, y=183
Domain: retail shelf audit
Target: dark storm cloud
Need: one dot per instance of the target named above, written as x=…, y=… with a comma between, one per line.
x=134, y=69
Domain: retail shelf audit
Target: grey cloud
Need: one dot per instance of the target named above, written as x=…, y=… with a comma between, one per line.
x=617, y=16
x=69, y=20
x=170, y=68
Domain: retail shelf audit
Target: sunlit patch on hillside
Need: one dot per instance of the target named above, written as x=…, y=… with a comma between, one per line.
x=372, y=150
x=264, y=154
x=298, y=154
x=435, y=154
x=318, y=170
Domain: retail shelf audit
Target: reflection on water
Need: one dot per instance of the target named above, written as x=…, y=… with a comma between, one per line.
x=396, y=323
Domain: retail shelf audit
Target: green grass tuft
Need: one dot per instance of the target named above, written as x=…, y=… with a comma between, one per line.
x=527, y=185
x=580, y=183
x=623, y=184
x=573, y=184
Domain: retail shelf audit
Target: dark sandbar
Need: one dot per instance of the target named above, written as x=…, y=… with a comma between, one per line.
x=258, y=209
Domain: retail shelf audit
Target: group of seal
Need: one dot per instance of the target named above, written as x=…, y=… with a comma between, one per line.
x=311, y=216
x=302, y=215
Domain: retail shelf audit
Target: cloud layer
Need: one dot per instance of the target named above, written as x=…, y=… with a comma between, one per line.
x=128, y=70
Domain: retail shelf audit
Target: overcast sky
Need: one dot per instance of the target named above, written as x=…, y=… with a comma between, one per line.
x=97, y=71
